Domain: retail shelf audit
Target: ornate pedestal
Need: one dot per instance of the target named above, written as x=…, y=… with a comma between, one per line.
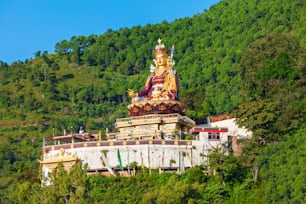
x=153, y=119
x=156, y=107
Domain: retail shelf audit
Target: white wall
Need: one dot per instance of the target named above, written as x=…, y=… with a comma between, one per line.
x=153, y=156
x=233, y=128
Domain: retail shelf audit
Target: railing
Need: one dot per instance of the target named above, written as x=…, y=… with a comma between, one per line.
x=148, y=117
x=48, y=148
x=151, y=119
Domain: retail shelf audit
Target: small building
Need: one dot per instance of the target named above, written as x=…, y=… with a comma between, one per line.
x=231, y=124
x=222, y=130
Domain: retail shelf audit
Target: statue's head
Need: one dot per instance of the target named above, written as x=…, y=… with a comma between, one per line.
x=160, y=54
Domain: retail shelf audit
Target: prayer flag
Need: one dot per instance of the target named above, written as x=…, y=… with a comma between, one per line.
x=119, y=160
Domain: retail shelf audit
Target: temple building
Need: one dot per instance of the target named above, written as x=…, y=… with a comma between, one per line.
x=156, y=135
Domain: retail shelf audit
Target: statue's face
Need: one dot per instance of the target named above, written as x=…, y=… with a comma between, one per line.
x=161, y=60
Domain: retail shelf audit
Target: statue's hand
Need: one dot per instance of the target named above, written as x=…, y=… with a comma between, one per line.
x=131, y=93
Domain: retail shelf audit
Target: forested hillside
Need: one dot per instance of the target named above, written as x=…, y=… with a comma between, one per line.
x=245, y=58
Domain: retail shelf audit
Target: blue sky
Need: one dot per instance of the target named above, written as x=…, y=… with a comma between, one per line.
x=31, y=25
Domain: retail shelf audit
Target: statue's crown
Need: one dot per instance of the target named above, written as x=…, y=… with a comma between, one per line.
x=160, y=49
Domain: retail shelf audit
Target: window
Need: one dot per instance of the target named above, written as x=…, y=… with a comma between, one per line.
x=213, y=136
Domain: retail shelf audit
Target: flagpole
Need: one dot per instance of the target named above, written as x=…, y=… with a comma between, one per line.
x=128, y=161
x=179, y=161
x=142, y=165
x=149, y=160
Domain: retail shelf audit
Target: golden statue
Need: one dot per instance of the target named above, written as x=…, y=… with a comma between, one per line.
x=162, y=83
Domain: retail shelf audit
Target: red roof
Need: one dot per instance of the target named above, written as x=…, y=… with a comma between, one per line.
x=209, y=129
x=219, y=118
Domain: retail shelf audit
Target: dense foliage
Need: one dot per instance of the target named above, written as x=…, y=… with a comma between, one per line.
x=282, y=180
x=242, y=57
x=273, y=77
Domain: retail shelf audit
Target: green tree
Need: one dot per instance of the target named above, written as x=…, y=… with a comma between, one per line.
x=271, y=85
